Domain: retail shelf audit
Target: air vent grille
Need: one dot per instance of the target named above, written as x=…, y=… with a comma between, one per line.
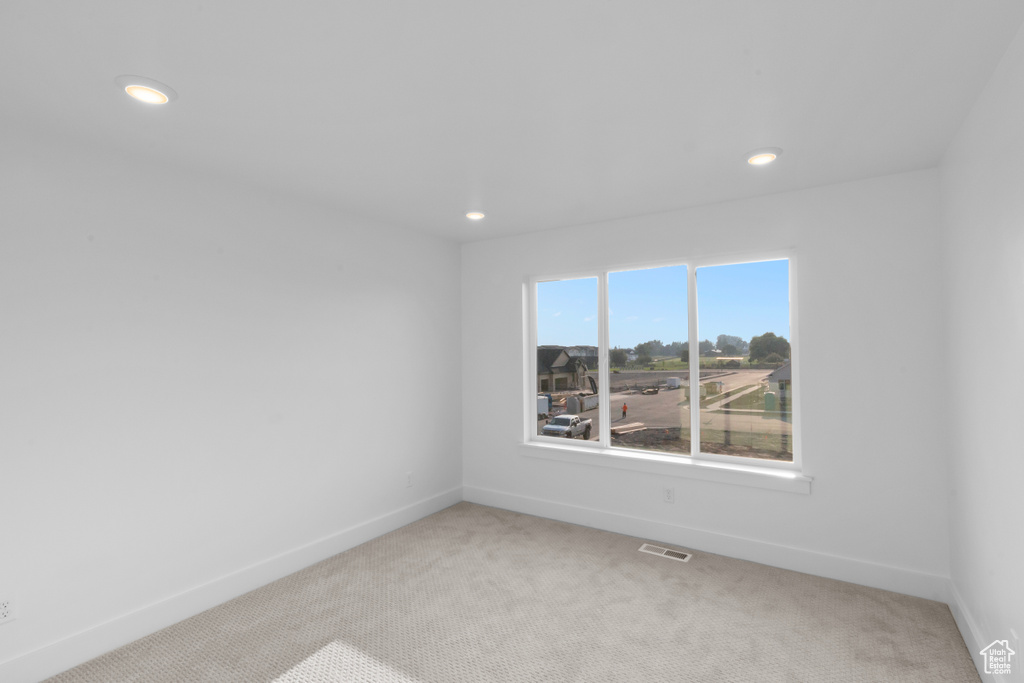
x=677, y=555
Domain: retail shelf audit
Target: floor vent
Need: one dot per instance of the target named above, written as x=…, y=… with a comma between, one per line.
x=665, y=552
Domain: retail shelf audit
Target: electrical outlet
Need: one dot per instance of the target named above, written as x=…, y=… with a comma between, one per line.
x=408, y=479
x=669, y=495
x=6, y=610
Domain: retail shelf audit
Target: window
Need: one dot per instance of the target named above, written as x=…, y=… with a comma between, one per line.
x=567, y=355
x=648, y=318
x=746, y=401
x=693, y=360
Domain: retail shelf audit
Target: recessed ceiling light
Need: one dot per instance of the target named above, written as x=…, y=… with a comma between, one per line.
x=765, y=155
x=146, y=89
x=475, y=215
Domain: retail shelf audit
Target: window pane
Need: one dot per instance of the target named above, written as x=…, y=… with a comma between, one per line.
x=647, y=324
x=567, y=370
x=746, y=390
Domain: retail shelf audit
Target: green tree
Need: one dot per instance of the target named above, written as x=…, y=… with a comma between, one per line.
x=651, y=348
x=766, y=344
x=706, y=347
x=618, y=357
x=725, y=340
x=684, y=352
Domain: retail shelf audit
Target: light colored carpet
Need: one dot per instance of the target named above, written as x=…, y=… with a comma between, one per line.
x=474, y=594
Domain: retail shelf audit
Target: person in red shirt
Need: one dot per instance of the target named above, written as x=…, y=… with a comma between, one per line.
x=623, y=411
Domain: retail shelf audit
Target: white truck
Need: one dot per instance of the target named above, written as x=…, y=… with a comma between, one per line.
x=568, y=426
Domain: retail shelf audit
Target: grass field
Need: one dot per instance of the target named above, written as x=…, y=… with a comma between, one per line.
x=718, y=397
x=672, y=363
x=752, y=401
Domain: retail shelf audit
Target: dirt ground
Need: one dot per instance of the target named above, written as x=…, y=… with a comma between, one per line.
x=671, y=441
x=666, y=418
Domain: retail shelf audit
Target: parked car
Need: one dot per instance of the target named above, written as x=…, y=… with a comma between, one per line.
x=569, y=426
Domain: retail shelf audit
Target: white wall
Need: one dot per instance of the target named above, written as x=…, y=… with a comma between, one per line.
x=983, y=200
x=196, y=395
x=872, y=388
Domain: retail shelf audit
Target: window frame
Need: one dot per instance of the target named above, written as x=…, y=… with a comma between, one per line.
x=785, y=476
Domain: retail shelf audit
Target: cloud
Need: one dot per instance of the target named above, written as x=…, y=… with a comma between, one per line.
x=588, y=318
x=556, y=314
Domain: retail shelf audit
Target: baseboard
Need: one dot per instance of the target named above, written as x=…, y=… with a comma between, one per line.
x=80, y=647
x=897, y=579
x=969, y=629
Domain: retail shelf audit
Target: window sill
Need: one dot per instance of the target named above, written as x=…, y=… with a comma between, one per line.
x=682, y=466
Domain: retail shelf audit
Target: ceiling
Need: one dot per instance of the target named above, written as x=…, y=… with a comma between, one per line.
x=540, y=113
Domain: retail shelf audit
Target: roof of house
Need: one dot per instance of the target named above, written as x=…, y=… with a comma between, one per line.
x=783, y=373
x=548, y=356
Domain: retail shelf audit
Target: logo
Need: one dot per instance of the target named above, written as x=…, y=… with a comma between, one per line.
x=998, y=658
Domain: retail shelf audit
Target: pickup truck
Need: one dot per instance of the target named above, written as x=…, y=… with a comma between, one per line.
x=569, y=426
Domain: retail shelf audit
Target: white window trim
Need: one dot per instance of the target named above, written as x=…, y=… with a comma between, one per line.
x=737, y=470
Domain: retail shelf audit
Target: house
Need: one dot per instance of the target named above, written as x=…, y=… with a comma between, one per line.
x=780, y=378
x=586, y=354
x=555, y=370
x=204, y=302
x=561, y=368
x=587, y=365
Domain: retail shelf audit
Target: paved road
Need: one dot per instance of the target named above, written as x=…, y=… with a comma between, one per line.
x=671, y=408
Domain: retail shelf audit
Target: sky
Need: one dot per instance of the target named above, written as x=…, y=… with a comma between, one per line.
x=742, y=300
